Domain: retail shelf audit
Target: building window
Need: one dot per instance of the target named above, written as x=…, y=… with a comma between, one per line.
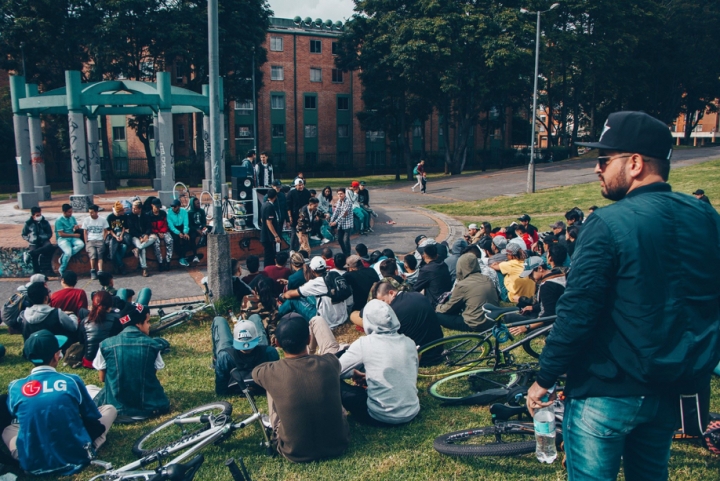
x=277, y=102
x=244, y=108
x=343, y=103
x=181, y=135
x=310, y=158
x=337, y=76
x=276, y=44
x=343, y=130
x=278, y=130
x=243, y=132
x=276, y=73
x=334, y=48
x=542, y=123
x=315, y=46
x=310, y=102
x=315, y=74
x=417, y=130
x=374, y=135
x=343, y=159
x=311, y=131
x=118, y=133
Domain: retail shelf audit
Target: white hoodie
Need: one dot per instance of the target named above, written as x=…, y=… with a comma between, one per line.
x=391, y=365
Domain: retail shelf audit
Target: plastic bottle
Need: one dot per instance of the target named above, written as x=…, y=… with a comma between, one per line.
x=544, y=421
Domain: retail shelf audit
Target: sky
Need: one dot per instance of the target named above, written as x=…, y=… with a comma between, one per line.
x=326, y=9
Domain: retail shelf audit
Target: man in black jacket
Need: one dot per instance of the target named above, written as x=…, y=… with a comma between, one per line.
x=37, y=232
x=139, y=225
x=297, y=198
x=639, y=322
x=434, y=276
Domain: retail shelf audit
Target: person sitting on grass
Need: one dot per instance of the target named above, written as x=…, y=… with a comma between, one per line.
x=41, y=316
x=101, y=322
x=297, y=263
x=58, y=425
x=385, y=361
x=69, y=298
x=434, y=276
x=463, y=311
x=411, y=270
x=303, y=392
x=69, y=240
x=279, y=273
x=237, y=349
x=252, y=263
x=128, y=365
x=327, y=255
x=95, y=228
x=362, y=251
x=121, y=296
x=511, y=269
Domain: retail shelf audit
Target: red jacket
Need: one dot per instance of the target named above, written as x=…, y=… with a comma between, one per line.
x=158, y=223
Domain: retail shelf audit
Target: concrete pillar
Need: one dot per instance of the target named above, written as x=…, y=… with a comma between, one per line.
x=156, y=132
x=220, y=265
x=27, y=197
x=97, y=185
x=36, y=149
x=82, y=196
x=164, y=140
x=207, y=181
x=223, y=173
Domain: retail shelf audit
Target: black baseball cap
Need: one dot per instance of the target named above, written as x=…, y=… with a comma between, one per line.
x=175, y=203
x=42, y=345
x=277, y=182
x=634, y=132
x=699, y=192
x=524, y=218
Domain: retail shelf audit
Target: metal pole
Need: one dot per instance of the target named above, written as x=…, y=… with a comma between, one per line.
x=255, y=132
x=215, y=145
x=531, y=165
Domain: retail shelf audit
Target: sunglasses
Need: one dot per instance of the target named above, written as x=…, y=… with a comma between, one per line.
x=604, y=160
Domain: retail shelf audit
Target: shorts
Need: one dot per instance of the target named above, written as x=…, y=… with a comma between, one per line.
x=95, y=249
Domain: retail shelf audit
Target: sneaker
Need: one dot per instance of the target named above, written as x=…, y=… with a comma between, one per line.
x=136, y=252
x=266, y=421
x=93, y=274
x=315, y=238
x=413, y=189
x=324, y=241
x=145, y=273
x=26, y=257
x=183, y=262
x=370, y=229
x=196, y=259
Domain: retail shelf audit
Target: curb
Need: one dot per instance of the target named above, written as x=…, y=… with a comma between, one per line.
x=450, y=228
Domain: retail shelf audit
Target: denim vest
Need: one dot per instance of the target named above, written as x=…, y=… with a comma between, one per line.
x=131, y=383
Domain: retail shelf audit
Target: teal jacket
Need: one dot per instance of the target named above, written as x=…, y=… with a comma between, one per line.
x=178, y=221
x=131, y=383
x=64, y=224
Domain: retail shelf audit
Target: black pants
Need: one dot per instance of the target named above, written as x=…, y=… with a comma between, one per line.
x=180, y=246
x=424, y=184
x=344, y=240
x=294, y=242
x=269, y=248
x=354, y=399
x=195, y=239
x=35, y=251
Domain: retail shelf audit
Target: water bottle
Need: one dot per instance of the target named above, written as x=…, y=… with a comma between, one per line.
x=544, y=421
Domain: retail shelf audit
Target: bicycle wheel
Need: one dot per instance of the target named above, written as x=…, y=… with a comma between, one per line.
x=534, y=346
x=181, y=193
x=206, y=202
x=170, y=320
x=453, y=354
x=480, y=386
x=169, y=433
x=503, y=439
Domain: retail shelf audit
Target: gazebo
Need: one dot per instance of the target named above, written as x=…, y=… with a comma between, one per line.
x=83, y=103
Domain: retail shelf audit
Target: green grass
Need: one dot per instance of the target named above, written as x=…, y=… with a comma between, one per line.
x=371, y=180
x=375, y=453
x=549, y=205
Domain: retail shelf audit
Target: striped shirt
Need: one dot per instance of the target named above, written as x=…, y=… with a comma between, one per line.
x=343, y=214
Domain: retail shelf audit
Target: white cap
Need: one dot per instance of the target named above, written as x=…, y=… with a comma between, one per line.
x=472, y=226
x=317, y=263
x=36, y=278
x=245, y=336
x=299, y=181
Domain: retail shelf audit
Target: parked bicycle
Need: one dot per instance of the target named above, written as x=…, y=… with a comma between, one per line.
x=185, y=313
x=182, y=193
x=187, y=434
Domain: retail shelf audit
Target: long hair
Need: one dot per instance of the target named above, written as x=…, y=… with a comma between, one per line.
x=100, y=302
x=329, y=197
x=266, y=292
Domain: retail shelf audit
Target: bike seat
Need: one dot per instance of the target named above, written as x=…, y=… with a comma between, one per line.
x=503, y=412
x=494, y=312
x=179, y=471
x=131, y=419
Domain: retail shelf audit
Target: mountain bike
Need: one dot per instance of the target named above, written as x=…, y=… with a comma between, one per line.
x=468, y=351
x=187, y=433
x=185, y=313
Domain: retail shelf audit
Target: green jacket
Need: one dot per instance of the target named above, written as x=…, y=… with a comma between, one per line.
x=131, y=383
x=641, y=311
x=471, y=291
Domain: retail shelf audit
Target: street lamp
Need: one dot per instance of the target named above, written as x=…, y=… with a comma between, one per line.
x=531, y=165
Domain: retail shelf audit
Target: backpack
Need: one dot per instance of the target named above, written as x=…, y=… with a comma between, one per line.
x=11, y=312
x=415, y=171
x=338, y=288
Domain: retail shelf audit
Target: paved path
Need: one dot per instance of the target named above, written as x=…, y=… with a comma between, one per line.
x=395, y=202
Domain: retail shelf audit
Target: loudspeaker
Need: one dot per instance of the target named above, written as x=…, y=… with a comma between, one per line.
x=240, y=172
x=242, y=188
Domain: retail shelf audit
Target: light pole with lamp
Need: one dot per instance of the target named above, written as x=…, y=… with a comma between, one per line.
x=531, y=165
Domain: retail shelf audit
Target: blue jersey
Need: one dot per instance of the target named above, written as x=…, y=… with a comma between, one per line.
x=50, y=408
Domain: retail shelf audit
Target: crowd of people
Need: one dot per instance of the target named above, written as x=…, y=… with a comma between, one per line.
x=637, y=323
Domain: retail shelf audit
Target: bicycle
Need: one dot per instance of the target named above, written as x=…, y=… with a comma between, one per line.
x=207, y=204
x=466, y=351
x=185, y=313
x=181, y=193
x=188, y=433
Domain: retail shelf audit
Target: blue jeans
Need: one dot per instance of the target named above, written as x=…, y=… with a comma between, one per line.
x=69, y=246
x=143, y=297
x=363, y=218
x=599, y=431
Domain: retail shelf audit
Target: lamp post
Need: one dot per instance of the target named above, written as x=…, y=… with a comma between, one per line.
x=531, y=165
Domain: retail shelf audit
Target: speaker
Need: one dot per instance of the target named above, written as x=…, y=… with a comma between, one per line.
x=241, y=172
x=242, y=188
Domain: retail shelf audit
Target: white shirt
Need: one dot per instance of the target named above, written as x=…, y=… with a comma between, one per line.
x=100, y=364
x=334, y=314
x=95, y=228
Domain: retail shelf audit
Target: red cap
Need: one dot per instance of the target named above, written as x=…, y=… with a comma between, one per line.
x=355, y=183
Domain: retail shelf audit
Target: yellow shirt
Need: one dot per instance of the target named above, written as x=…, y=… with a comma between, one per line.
x=515, y=285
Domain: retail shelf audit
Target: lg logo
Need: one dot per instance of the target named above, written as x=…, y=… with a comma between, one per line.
x=33, y=388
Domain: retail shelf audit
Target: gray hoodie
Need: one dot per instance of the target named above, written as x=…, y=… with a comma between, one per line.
x=452, y=259
x=37, y=314
x=391, y=365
